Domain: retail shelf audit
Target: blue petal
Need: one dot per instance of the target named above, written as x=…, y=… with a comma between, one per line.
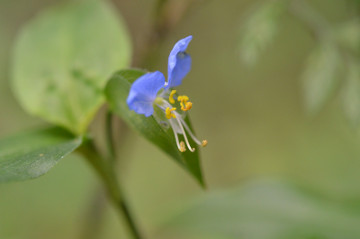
x=179, y=63
x=143, y=92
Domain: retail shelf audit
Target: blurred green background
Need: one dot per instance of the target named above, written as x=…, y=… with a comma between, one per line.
x=253, y=117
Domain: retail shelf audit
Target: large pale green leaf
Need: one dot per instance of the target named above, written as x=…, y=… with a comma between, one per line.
x=117, y=91
x=30, y=155
x=63, y=58
x=265, y=210
x=321, y=75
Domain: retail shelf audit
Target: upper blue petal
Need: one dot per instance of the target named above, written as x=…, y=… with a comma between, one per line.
x=179, y=63
x=143, y=92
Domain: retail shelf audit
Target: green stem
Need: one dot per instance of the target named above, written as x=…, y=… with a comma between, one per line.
x=109, y=136
x=106, y=172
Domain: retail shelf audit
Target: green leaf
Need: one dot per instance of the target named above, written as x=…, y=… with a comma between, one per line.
x=117, y=91
x=348, y=35
x=30, y=155
x=259, y=29
x=265, y=210
x=320, y=77
x=63, y=58
x=351, y=93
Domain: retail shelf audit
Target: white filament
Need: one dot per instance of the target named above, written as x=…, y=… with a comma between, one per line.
x=189, y=131
x=184, y=134
x=176, y=136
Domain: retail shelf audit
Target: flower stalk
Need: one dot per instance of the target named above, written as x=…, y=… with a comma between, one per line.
x=106, y=172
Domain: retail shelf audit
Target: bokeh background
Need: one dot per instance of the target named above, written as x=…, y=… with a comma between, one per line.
x=272, y=169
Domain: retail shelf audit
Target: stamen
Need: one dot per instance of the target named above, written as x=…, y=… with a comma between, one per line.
x=181, y=124
x=182, y=147
x=179, y=145
x=188, y=106
x=169, y=114
x=185, y=137
x=185, y=105
x=203, y=143
x=171, y=97
x=183, y=98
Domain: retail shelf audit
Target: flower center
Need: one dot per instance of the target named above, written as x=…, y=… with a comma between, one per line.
x=176, y=119
x=159, y=101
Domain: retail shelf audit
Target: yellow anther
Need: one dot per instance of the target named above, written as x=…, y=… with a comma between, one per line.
x=188, y=106
x=204, y=143
x=169, y=113
x=182, y=147
x=184, y=103
x=171, y=97
x=183, y=98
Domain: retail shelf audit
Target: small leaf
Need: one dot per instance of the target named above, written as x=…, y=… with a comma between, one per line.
x=265, y=210
x=63, y=59
x=351, y=93
x=260, y=29
x=117, y=92
x=320, y=77
x=30, y=155
x=348, y=35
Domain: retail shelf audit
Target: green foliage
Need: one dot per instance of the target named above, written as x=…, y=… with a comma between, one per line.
x=30, y=155
x=348, y=35
x=266, y=210
x=351, y=93
x=260, y=29
x=63, y=58
x=151, y=128
x=321, y=75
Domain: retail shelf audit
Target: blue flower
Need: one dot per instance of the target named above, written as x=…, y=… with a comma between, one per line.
x=151, y=90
